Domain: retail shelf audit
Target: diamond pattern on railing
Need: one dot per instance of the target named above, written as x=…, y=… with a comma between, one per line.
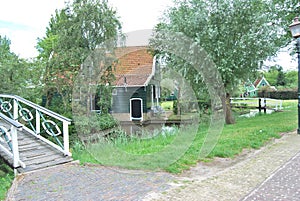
x=47, y=126
x=38, y=120
x=6, y=106
x=25, y=114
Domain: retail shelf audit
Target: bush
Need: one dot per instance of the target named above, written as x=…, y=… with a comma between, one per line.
x=94, y=123
x=6, y=178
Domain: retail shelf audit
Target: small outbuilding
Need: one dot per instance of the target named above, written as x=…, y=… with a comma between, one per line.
x=136, y=90
x=251, y=89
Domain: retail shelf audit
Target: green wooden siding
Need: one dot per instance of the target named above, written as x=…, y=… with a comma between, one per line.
x=121, y=100
x=263, y=83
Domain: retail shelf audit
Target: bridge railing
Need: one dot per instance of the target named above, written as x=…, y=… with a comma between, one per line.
x=9, y=139
x=44, y=124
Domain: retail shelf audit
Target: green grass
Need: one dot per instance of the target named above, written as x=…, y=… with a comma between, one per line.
x=167, y=105
x=80, y=153
x=178, y=152
x=6, y=178
x=138, y=146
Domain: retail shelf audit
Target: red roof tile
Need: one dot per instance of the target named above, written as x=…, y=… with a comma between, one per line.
x=257, y=81
x=134, y=66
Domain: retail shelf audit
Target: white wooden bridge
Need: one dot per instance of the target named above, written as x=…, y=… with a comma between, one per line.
x=32, y=137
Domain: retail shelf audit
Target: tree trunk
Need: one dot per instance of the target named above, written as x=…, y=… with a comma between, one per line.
x=229, y=119
x=178, y=101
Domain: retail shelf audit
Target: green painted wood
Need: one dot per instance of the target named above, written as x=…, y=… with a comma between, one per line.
x=121, y=101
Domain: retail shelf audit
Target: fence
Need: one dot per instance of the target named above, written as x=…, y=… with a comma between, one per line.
x=257, y=103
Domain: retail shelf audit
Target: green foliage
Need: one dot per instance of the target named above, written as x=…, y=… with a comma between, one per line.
x=272, y=75
x=236, y=34
x=19, y=77
x=141, y=146
x=285, y=94
x=107, y=121
x=80, y=153
x=291, y=79
x=94, y=123
x=6, y=178
x=10, y=67
x=247, y=133
x=104, y=93
x=281, y=80
x=74, y=33
x=277, y=77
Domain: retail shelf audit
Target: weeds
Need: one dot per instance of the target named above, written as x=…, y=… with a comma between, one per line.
x=6, y=178
x=160, y=149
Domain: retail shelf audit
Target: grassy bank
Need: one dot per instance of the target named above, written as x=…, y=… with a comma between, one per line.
x=247, y=133
x=6, y=178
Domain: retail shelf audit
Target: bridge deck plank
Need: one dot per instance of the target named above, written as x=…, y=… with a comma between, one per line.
x=35, y=153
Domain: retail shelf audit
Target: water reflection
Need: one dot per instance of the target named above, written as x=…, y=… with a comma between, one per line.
x=253, y=113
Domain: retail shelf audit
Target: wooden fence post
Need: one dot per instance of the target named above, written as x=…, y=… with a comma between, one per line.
x=265, y=106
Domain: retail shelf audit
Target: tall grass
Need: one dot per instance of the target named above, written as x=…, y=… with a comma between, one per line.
x=153, y=153
x=6, y=178
x=180, y=150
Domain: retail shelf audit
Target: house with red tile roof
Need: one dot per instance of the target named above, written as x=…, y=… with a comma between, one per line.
x=136, y=90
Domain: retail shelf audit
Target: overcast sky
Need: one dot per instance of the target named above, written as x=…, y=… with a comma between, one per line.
x=23, y=21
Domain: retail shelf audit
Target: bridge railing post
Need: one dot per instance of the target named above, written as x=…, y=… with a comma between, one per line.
x=66, y=137
x=15, y=110
x=37, y=122
x=15, y=146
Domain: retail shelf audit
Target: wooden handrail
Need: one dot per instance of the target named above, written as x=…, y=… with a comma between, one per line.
x=37, y=107
x=41, y=124
x=11, y=121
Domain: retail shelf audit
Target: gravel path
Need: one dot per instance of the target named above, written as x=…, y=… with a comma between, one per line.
x=249, y=177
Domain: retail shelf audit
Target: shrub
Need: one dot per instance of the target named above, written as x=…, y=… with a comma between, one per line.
x=286, y=94
x=6, y=178
x=94, y=123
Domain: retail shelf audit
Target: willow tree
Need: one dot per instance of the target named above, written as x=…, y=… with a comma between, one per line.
x=236, y=34
x=73, y=33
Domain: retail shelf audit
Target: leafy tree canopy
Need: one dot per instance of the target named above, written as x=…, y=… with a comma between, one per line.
x=73, y=33
x=237, y=34
x=19, y=77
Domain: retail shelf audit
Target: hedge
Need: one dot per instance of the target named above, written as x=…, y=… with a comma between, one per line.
x=283, y=95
